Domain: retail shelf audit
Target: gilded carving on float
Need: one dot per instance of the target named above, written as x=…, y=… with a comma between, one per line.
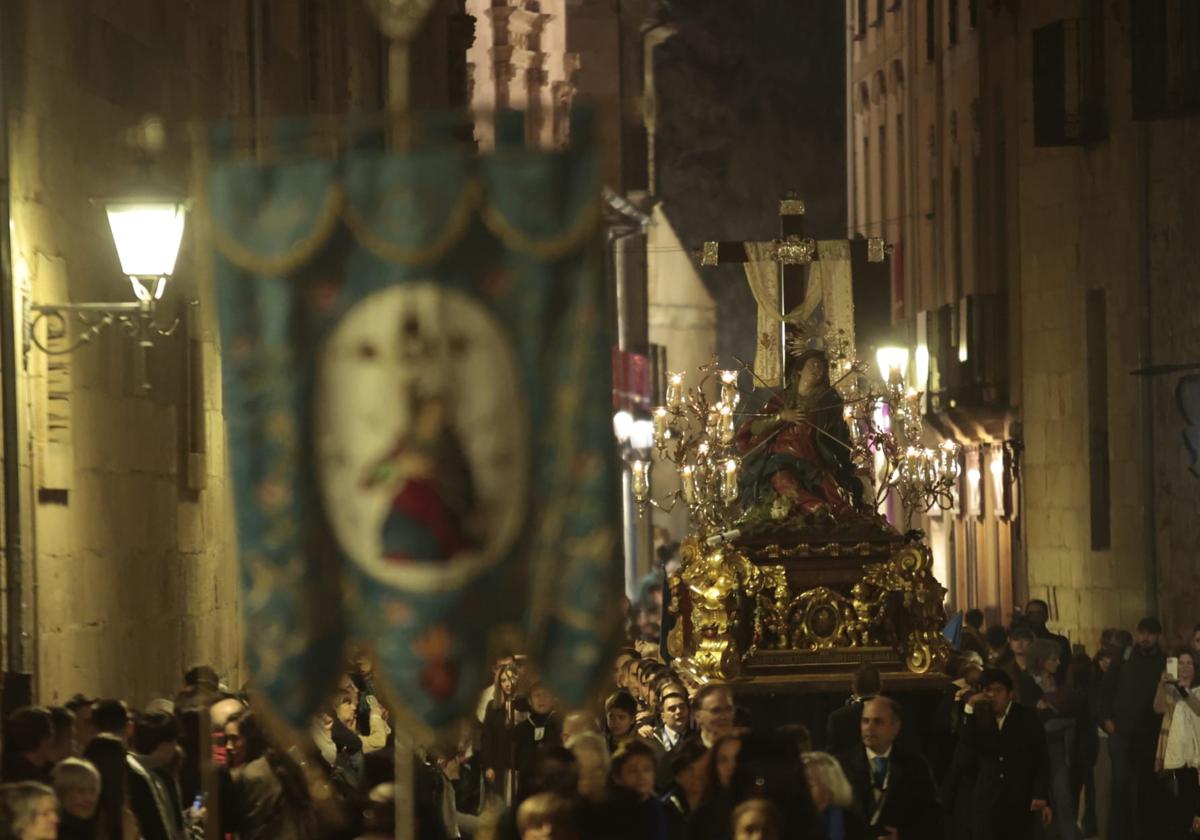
x=737, y=610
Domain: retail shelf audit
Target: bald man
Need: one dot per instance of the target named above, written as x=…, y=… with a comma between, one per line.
x=893, y=786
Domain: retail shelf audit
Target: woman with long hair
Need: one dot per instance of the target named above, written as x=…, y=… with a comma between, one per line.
x=114, y=819
x=724, y=762
x=834, y=798
x=711, y=820
x=1178, y=701
x=270, y=793
x=1056, y=708
x=498, y=741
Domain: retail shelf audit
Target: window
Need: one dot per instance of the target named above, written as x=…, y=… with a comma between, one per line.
x=901, y=186
x=956, y=234
x=952, y=23
x=883, y=181
x=1097, y=396
x=930, y=30
x=1000, y=197
x=866, y=221
x=1068, y=82
x=1165, y=58
x=860, y=23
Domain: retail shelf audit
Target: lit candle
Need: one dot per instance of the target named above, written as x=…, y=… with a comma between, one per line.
x=729, y=391
x=687, y=476
x=729, y=486
x=674, y=390
x=949, y=460
x=661, y=425
x=725, y=424
x=640, y=471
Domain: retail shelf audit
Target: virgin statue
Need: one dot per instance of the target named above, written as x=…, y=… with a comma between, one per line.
x=796, y=452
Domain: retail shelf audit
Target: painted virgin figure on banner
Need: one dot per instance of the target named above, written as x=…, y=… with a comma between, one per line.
x=433, y=494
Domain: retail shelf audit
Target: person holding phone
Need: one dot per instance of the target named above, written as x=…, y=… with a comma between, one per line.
x=1178, y=754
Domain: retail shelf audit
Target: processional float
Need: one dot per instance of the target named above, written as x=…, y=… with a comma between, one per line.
x=789, y=574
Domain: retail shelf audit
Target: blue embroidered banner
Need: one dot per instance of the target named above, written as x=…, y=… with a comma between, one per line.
x=417, y=387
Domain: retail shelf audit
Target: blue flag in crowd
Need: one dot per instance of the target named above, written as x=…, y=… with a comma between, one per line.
x=417, y=387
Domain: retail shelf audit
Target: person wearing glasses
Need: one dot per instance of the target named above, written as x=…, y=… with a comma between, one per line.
x=714, y=712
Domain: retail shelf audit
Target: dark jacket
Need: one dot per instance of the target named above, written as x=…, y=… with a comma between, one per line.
x=260, y=808
x=1127, y=692
x=71, y=827
x=710, y=821
x=625, y=817
x=17, y=768
x=497, y=743
x=660, y=735
x=151, y=803
x=531, y=736
x=854, y=825
x=1011, y=767
x=843, y=728
x=679, y=815
x=909, y=801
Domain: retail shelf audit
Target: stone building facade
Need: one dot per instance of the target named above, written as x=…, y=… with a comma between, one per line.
x=130, y=568
x=1030, y=161
x=541, y=57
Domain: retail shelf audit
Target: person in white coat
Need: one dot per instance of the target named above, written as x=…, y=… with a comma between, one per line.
x=1178, y=756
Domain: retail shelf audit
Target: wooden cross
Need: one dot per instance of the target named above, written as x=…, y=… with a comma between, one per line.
x=792, y=253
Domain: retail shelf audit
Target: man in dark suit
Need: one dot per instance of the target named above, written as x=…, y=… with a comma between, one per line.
x=842, y=727
x=672, y=733
x=676, y=720
x=1006, y=744
x=893, y=786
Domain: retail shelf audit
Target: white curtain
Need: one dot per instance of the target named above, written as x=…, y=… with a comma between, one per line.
x=828, y=296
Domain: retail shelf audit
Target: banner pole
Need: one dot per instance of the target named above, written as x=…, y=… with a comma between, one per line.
x=399, y=99
x=405, y=786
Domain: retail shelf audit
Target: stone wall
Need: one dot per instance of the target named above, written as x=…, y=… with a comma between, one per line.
x=1174, y=184
x=1080, y=229
x=543, y=57
x=129, y=544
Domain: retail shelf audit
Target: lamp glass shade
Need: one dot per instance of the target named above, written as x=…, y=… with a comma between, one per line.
x=622, y=426
x=892, y=360
x=147, y=235
x=641, y=435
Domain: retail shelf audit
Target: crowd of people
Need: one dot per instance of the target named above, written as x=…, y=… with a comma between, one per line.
x=1030, y=738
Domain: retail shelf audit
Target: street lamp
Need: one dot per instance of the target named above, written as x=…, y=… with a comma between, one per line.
x=636, y=439
x=147, y=229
